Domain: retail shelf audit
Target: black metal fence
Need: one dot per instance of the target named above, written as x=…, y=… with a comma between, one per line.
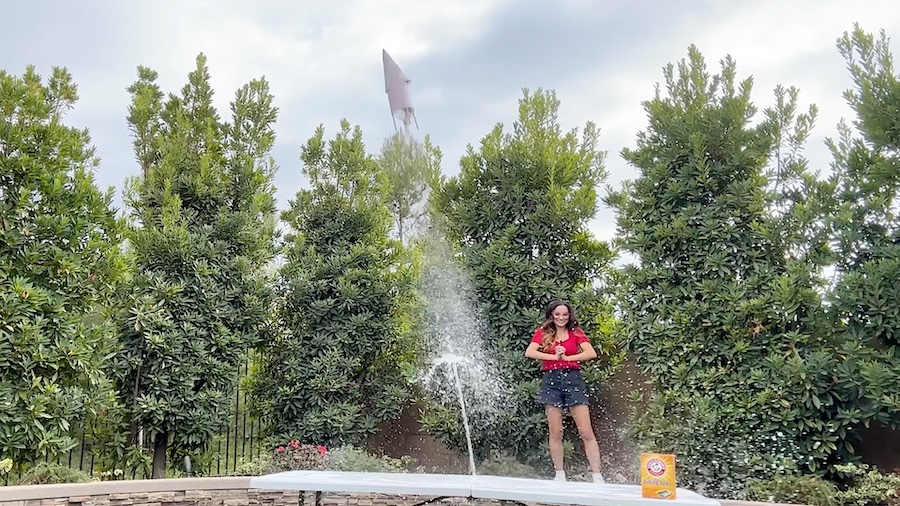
x=240, y=442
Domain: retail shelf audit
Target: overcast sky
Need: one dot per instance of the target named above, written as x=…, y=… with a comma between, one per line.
x=468, y=61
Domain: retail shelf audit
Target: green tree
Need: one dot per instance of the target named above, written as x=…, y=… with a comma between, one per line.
x=204, y=212
x=867, y=224
x=865, y=303
x=723, y=310
x=339, y=366
x=519, y=210
x=410, y=167
x=59, y=266
x=798, y=201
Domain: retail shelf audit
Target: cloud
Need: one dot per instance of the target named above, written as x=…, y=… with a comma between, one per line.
x=532, y=44
x=322, y=60
x=788, y=43
x=467, y=60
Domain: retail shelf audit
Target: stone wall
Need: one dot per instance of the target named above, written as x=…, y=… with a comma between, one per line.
x=234, y=491
x=181, y=492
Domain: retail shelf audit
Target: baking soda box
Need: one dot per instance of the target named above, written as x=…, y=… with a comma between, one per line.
x=658, y=476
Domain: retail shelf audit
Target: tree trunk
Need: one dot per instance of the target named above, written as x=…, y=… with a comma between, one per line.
x=159, y=455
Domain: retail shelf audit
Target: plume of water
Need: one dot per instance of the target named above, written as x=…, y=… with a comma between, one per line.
x=458, y=363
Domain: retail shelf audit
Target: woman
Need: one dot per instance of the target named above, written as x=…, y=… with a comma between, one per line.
x=562, y=345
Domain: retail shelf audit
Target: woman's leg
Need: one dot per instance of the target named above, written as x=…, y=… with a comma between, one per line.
x=555, y=424
x=581, y=413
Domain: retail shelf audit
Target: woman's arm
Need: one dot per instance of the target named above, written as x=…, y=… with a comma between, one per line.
x=587, y=353
x=533, y=351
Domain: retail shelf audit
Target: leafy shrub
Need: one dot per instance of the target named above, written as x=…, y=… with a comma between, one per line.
x=868, y=486
x=723, y=311
x=255, y=467
x=794, y=489
x=720, y=447
x=503, y=464
x=351, y=458
x=295, y=456
x=299, y=457
x=865, y=486
x=45, y=474
x=110, y=474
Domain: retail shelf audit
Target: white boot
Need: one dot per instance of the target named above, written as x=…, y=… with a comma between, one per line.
x=598, y=478
x=560, y=476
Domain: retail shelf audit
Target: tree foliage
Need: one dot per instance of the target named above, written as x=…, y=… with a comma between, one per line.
x=724, y=310
x=866, y=229
x=59, y=266
x=204, y=226
x=762, y=368
x=867, y=179
x=410, y=167
x=519, y=211
x=339, y=365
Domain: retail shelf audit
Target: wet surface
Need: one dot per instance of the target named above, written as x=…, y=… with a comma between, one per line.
x=480, y=487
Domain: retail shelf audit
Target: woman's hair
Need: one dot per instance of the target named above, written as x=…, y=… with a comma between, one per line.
x=549, y=327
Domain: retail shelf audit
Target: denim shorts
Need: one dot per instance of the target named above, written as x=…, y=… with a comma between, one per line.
x=563, y=388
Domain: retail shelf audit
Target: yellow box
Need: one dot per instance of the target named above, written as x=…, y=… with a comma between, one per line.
x=658, y=476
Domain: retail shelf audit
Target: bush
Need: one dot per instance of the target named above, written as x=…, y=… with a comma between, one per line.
x=810, y=490
x=45, y=474
x=721, y=448
x=502, y=464
x=867, y=486
x=351, y=458
x=255, y=467
x=304, y=457
x=299, y=457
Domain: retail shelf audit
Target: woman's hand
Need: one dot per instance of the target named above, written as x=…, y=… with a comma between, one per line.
x=560, y=352
x=534, y=351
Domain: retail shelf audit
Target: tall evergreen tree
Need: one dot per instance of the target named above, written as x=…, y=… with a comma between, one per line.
x=410, y=167
x=339, y=365
x=204, y=227
x=867, y=176
x=724, y=309
x=865, y=303
x=59, y=266
x=519, y=209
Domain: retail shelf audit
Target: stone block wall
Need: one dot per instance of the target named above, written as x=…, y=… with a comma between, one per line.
x=243, y=497
x=183, y=492
x=231, y=491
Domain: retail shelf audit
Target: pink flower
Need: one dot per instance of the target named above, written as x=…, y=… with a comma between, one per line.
x=322, y=450
x=279, y=449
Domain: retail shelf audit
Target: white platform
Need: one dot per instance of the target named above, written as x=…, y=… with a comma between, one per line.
x=479, y=487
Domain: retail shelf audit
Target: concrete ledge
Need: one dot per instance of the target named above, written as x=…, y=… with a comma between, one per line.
x=100, y=488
